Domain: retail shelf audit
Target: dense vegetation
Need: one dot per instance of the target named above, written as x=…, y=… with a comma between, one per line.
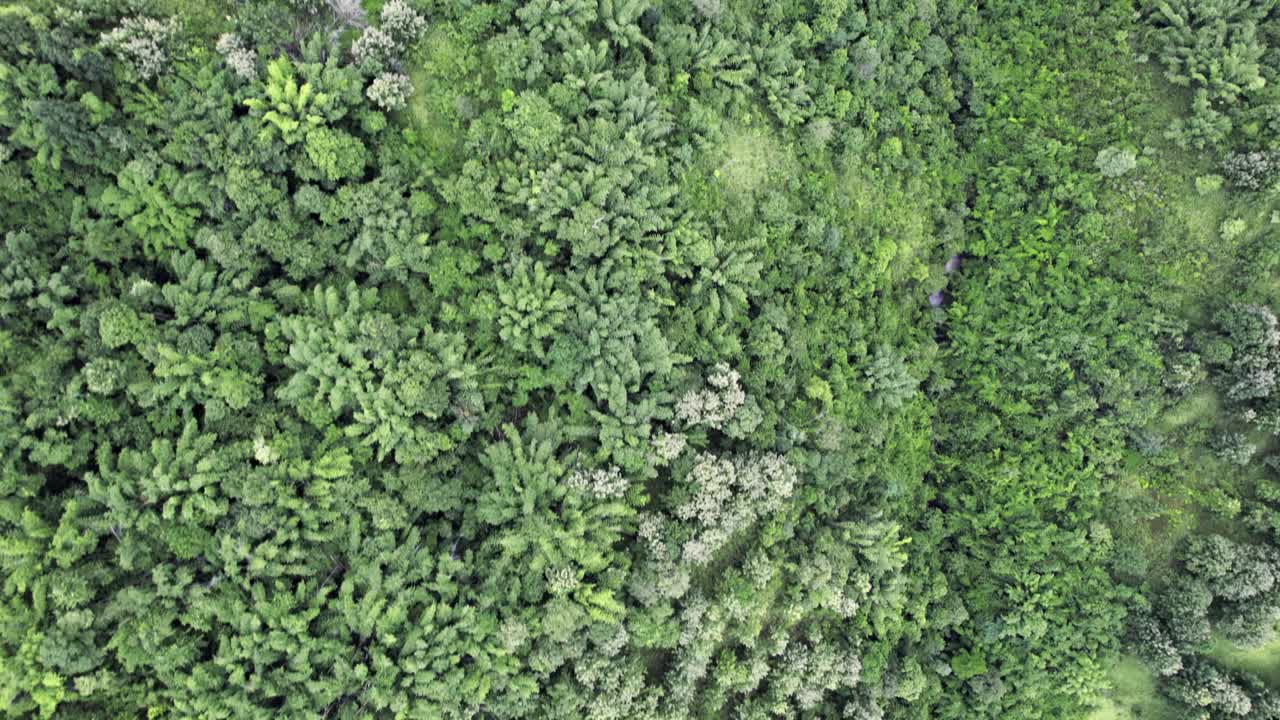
x=640, y=359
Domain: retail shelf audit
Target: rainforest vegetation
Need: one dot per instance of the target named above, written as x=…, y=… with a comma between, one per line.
x=640, y=359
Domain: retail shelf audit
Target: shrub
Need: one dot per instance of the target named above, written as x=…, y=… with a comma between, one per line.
x=379, y=48
x=241, y=60
x=1232, y=228
x=1251, y=170
x=1153, y=644
x=1185, y=371
x=1235, y=448
x=1184, y=608
x=709, y=9
x=390, y=91
x=1113, y=162
x=145, y=44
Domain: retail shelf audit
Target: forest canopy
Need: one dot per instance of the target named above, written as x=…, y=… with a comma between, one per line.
x=665, y=359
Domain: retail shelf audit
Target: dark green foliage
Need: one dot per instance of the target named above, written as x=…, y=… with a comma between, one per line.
x=1200, y=685
x=1052, y=369
x=1217, y=48
x=1153, y=643
x=575, y=359
x=1220, y=586
x=287, y=412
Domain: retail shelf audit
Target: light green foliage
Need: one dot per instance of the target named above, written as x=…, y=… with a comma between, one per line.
x=1208, y=184
x=532, y=308
x=288, y=109
x=1232, y=228
x=350, y=361
x=890, y=380
x=534, y=125
x=336, y=154
x=613, y=342
x=155, y=201
x=1263, y=661
x=119, y=325
x=752, y=158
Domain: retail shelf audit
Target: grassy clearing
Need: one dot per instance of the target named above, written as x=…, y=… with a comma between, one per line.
x=443, y=73
x=893, y=213
x=751, y=156
x=1197, y=407
x=1262, y=661
x=1133, y=694
x=1158, y=210
x=1188, y=245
